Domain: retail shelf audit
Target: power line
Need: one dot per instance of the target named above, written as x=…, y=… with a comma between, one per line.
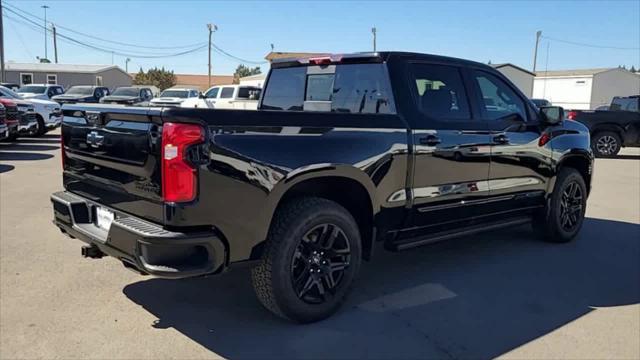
x=103, y=49
x=590, y=45
x=219, y=50
x=15, y=8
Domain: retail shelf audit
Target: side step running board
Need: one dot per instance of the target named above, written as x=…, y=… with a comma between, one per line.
x=446, y=235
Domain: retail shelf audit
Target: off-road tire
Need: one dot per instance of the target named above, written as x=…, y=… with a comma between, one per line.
x=272, y=277
x=547, y=222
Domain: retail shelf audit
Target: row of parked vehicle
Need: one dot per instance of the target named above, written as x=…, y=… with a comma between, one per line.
x=224, y=96
x=26, y=117
x=34, y=109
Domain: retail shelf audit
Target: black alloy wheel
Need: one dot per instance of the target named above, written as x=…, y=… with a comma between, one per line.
x=319, y=263
x=571, y=203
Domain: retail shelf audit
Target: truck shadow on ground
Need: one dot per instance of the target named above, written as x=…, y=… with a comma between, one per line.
x=28, y=149
x=475, y=297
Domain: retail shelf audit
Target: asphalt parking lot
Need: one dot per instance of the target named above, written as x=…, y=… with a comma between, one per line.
x=500, y=295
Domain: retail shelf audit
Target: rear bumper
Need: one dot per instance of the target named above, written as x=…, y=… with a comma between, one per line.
x=139, y=244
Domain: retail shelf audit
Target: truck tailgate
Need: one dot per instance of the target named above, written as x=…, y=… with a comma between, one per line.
x=111, y=155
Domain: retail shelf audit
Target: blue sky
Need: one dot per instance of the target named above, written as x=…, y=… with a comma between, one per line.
x=500, y=31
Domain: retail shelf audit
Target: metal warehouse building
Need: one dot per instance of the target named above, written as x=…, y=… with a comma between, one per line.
x=66, y=75
x=585, y=89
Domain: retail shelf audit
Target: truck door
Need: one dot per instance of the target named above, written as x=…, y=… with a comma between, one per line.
x=451, y=149
x=519, y=173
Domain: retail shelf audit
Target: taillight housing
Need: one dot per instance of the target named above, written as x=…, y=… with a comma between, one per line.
x=544, y=139
x=179, y=177
x=571, y=115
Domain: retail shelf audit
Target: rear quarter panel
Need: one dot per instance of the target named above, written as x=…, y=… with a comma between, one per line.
x=256, y=156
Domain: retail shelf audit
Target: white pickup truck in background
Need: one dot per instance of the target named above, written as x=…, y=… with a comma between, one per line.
x=240, y=97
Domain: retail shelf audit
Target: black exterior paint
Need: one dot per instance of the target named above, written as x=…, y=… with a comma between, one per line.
x=251, y=160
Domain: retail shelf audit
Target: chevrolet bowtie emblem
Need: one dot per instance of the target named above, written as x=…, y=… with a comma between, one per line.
x=94, y=139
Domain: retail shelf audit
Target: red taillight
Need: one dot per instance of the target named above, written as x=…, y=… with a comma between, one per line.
x=571, y=115
x=179, y=178
x=544, y=139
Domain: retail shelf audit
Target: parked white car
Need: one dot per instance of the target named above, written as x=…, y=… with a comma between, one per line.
x=174, y=96
x=241, y=97
x=48, y=113
x=40, y=91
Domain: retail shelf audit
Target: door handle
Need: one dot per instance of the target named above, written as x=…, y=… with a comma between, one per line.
x=430, y=140
x=501, y=139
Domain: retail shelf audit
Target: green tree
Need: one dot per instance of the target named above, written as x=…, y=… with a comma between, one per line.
x=160, y=78
x=633, y=69
x=242, y=71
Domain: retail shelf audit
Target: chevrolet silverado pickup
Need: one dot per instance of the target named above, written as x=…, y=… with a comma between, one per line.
x=614, y=128
x=346, y=152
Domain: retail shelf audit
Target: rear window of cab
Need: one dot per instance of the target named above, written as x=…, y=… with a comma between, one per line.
x=348, y=88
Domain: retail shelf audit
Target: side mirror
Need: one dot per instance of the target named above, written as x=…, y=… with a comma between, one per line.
x=552, y=115
x=201, y=96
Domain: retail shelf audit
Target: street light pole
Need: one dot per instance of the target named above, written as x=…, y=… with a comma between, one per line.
x=535, y=52
x=212, y=28
x=373, y=31
x=1, y=46
x=45, y=7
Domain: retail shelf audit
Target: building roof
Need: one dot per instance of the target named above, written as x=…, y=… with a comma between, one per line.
x=498, y=66
x=577, y=72
x=57, y=68
x=201, y=82
x=284, y=55
x=260, y=76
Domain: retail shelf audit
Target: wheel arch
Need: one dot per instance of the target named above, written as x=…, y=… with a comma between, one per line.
x=343, y=184
x=582, y=161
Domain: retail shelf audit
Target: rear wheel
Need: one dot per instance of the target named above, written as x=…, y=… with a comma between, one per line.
x=606, y=144
x=312, y=256
x=562, y=218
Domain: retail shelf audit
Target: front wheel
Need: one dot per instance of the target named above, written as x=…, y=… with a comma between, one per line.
x=312, y=256
x=42, y=129
x=562, y=217
x=606, y=144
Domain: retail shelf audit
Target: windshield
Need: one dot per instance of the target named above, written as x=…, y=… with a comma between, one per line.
x=175, y=93
x=126, y=92
x=4, y=92
x=33, y=89
x=80, y=90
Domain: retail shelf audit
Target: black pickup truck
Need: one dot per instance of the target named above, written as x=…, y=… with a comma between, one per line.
x=612, y=129
x=346, y=152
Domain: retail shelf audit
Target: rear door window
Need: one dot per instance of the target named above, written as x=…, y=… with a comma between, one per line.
x=226, y=93
x=439, y=92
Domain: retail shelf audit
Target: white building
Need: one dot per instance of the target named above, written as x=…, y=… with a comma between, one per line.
x=585, y=89
x=253, y=80
x=520, y=77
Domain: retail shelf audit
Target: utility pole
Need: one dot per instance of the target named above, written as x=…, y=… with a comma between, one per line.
x=1, y=46
x=126, y=65
x=55, y=43
x=212, y=28
x=45, y=7
x=373, y=31
x=535, y=52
